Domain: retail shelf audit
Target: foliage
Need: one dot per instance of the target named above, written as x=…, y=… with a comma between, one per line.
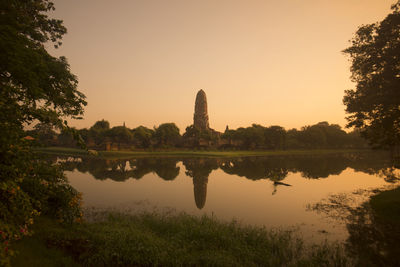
x=99, y=131
x=191, y=131
x=318, y=136
x=120, y=134
x=195, y=138
x=33, y=251
x=102, y=125
x=256, y=137
x=161, y=239
x=373, y=106
x=35, y=87
x=29, y=187
x=167, y=135
x=143, y=136
x=44, y=133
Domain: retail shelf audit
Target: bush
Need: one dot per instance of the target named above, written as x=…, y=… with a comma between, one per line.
x=30, y=187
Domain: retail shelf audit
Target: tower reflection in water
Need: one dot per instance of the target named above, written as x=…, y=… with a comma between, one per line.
x=275, y=168
x=199, y=170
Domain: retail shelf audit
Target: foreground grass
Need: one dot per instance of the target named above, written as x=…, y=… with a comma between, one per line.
x=153, y=239
x=32, y=251
x=126, y=154
x=386, y=206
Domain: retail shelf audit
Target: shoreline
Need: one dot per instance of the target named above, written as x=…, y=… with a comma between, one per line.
x=63, y=151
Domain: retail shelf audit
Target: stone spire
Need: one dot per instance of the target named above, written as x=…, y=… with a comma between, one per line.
x=200, y=118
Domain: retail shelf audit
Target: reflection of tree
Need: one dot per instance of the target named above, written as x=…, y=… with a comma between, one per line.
x=256, y=168
x=371, y=241
x=199, y=170
x=121, y=170
x=166, y=169
x=315, y=166
x=274, y=168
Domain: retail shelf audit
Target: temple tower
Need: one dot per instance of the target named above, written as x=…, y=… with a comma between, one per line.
x=200, y=118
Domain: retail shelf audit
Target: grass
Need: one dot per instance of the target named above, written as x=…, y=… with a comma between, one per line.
x=386, y=206
x=32, y=251
x=188, y=153
x=154, y=239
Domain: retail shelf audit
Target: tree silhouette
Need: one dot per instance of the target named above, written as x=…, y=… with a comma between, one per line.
x=373, y=106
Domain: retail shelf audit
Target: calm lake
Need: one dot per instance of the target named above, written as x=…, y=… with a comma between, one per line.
x=305, y=192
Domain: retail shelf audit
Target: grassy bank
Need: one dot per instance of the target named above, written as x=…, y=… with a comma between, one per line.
x=386, y=206
x=188, y=153
x=154, y=239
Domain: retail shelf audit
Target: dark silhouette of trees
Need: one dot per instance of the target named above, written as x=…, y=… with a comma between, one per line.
x=120, y=135
x=44, y=134
x=34, y=87
x=167, y=135
x=98, y=132
x=102, y=125
x=373, y=106
x=142, y=137
x=275, y=137
x=318, y=136
x=195, y=137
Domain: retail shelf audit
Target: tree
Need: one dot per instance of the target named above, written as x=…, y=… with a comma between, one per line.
x=142, y=136
x=275, y=137
x=99, y=131
x=102, y=125
x=312, y=137
x=45, y=134
x=34, y=87
x=120, y=134
x=374, y=105
x=167, y=134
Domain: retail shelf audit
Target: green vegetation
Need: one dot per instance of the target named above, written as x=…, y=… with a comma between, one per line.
x=155, y=239
x=32, y=251
x=35, y=87
x=386, y=206
x=373, y=106
x=166, y=136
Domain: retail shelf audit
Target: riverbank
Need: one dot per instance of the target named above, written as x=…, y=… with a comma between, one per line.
x=386, y=207
x=187, y=153
x=375, y=231
x=157, y=239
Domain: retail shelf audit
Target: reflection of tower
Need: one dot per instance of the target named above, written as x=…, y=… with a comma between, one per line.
x=200, y=190
x=199, y=170
x=200, y=118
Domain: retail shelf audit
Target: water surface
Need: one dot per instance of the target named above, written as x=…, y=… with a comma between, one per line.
x=273, y=191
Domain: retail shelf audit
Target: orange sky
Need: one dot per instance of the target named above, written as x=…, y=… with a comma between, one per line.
x=268, y=62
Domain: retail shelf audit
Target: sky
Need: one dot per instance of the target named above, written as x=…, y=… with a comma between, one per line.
x=268, y=62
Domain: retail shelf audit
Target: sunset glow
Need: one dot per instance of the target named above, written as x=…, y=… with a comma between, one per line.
x=265, y=62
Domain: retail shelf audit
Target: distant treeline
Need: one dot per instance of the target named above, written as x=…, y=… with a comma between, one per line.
x=167, y=136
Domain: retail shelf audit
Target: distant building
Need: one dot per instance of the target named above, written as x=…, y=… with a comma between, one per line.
x=200, y=118
x=200, y=134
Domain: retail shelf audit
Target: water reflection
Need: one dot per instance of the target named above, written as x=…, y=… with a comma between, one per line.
x=239, y=188
x=273, y=168
x=121, y=170
x=199, y=170
x=371, y=241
